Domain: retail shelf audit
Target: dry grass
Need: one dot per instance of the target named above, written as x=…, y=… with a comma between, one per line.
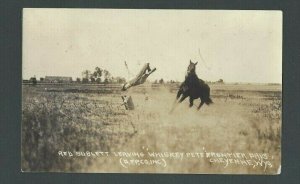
x=242, y=119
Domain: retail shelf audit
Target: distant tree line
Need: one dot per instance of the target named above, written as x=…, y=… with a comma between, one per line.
x=99, y=75
x=162, y=81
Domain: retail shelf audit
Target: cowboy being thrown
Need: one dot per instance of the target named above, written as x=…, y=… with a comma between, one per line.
x=140, y=78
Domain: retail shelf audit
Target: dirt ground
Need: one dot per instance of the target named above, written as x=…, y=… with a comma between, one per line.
x=243, y=119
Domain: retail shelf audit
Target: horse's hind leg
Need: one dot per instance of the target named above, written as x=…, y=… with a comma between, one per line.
x=200, y=105
x=191, y=101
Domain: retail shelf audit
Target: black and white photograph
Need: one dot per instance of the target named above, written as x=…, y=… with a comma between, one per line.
x=151, y=91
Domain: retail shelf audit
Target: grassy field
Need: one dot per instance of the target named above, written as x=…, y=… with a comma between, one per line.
x=244, y=118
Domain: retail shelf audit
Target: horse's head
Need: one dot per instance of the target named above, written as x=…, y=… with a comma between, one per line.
x=191, y=68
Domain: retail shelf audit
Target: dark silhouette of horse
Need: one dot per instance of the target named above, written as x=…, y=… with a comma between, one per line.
x=194, y=88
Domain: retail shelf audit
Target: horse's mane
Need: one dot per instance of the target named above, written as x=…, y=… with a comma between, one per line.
x=192, y=81
x=191, y=78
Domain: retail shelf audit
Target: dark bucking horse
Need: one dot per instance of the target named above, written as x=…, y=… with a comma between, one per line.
x=194, y=88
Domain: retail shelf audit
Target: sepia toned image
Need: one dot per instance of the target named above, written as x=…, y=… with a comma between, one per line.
x=151, y=91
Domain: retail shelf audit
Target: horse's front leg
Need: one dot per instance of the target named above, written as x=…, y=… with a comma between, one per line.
x=201, y=103
x=182, y=98
x=176, y=103
x=179, y=93
x=191, y=101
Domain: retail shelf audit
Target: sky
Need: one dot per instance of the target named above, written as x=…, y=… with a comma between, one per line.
x=233, y=45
